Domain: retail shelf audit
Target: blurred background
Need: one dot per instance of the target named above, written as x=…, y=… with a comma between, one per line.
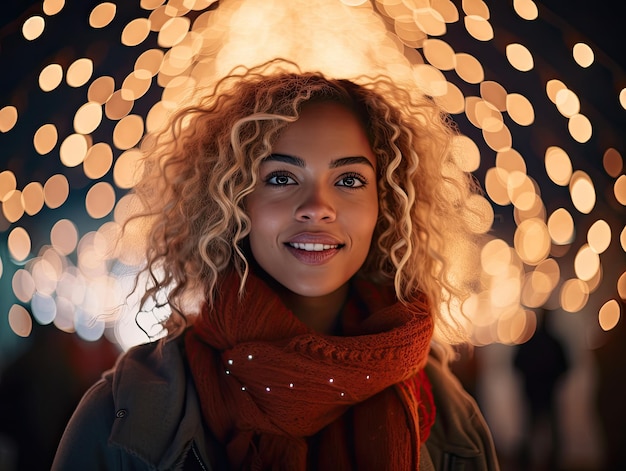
x=537, y=89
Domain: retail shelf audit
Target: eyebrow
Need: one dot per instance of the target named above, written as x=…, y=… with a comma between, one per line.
x=298, y=162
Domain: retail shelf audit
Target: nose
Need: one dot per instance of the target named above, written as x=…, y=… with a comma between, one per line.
x=316, y=206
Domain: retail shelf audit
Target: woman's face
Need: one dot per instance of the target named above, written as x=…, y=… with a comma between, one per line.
x=315, y=207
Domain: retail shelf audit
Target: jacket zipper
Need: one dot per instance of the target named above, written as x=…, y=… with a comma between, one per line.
x=195, y=453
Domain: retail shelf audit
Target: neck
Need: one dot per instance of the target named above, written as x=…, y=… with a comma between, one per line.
x=319, y=313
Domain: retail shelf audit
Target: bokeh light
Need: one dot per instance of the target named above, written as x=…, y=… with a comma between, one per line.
x=548, y=157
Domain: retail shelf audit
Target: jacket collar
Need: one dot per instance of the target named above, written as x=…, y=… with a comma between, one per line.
x=158, y=414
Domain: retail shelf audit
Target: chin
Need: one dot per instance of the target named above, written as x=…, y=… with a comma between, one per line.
x=314, y=290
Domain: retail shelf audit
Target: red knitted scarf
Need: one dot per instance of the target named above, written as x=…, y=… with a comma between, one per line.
x=279, y=396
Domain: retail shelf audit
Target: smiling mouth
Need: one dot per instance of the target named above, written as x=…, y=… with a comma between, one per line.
x=308, y=247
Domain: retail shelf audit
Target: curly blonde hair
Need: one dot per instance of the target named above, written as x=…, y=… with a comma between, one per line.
x=200, y=168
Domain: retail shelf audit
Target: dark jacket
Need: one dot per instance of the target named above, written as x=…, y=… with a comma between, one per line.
x=145, y=415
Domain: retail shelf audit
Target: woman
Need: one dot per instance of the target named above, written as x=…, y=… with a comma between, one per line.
x=313, y=218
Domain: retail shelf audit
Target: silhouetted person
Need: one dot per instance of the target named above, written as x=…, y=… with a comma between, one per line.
x=541, y=362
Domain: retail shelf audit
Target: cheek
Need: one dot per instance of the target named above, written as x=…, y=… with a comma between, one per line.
x=264, y=222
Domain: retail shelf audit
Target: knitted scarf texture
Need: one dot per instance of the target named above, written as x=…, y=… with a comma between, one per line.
x=279, y=396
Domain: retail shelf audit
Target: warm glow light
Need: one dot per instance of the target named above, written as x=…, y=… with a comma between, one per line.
x=479, y=215
x=496, y=187
x=494, y=93
x=599, y=236
x=100, y=200
x=583, y=54
x=536, y=289
x=52, y=7
x=465, y=153
x=520, y=109
x=20, y=321
x=117, y=107
x=580, y=128
x=128, y=169
x=73, y=150
x=488, y=117
x=23, y=285
x=33, y=27
x=479, y=28
x=469, y=68
x=32, y=198
x=532, y=241
x=64, y=236
x=550, y=269
x=533, y=210
x=98, y=160
x=430, y=79
x=50, y=77
x=8, y=184
x=521, y=190
x=500, y=140
x=69, y=282
x=582, y=192
x=102, y=15
x=136, y=32
x=619, y=189
x=56, y=190
x=561, y=227
x=609, y=314
x=553, y=87
x=476, y=7
x=519, y=57
x=173, y=31
x=128, y=132
x=453, y=101
x=88, y=118
x=574, y=295
x=19, y=243
x=526, y=9
x=511, y=161
x=45, y=139
x=495, y=257
x=12, y=206
x=101, y=90
x=558, y=165
x=8, y=118
x=567, y=102
x=621, y=286
x=613, y=162
x=586, y=263
x=439, y=53
x=150, y=61
x=136, y=85
x=79, y=72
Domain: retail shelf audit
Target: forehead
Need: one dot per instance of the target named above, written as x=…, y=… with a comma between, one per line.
x=327, y=127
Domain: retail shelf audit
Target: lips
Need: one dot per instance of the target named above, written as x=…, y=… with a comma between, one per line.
x=310, y=247
x=313, y=249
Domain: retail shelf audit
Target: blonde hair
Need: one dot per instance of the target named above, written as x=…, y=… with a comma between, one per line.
x=199, y=170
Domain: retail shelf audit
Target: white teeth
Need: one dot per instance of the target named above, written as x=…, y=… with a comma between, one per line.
x=312, y=247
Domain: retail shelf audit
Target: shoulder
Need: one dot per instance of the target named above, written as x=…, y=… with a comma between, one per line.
x=85, y=439
x=122, y=416
x=460, y=432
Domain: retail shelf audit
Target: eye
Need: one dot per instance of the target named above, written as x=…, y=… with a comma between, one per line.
x=279, y=179
x=352, y=181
